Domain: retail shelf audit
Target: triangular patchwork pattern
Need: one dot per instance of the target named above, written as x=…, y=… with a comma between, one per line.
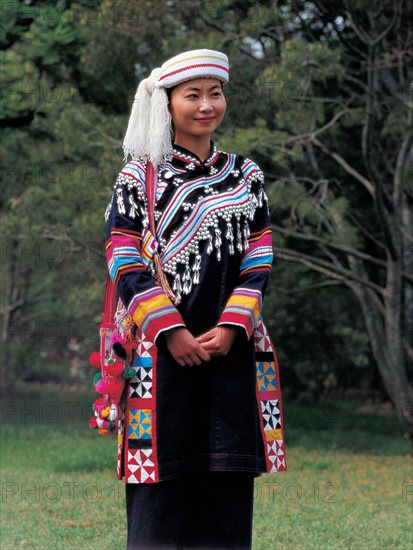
x=145, y=346
x=269, y=400
x=140, y=424
x=139, y=451
x=266, y=376
x=141, y=467
x=276, y=455
x=262, y=340
x=141, y=384
x=271, y=414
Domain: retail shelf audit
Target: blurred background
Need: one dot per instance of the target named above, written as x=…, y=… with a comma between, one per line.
x=321, y=97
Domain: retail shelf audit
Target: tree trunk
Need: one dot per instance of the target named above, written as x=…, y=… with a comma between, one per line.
x=381, y=332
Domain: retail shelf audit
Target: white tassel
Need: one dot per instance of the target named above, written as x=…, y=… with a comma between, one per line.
x=177, y=287
x=230, y=237
x=159, y=131
x=113, y=413
x=186, y=279
x=239, y=238
x=196, y=268
x=210, y=246
x=148, y=135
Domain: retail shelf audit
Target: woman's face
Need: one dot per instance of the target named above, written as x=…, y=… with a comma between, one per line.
x=197, y=108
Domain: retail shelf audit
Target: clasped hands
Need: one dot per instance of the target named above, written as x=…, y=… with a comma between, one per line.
x=188, y=350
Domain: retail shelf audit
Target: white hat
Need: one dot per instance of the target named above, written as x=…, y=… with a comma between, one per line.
x=194, y=64
x=150, y=125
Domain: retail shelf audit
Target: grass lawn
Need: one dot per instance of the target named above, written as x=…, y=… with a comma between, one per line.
x=349, y=483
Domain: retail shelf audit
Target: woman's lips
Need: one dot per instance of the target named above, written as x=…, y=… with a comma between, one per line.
x=205, y=120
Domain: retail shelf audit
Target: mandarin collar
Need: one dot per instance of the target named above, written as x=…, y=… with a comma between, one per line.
x=181, y=153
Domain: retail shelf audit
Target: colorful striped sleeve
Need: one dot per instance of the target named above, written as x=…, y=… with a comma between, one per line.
x=243, y=307
x=128, y=252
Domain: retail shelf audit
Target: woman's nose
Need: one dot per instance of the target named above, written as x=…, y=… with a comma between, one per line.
x=206, y=104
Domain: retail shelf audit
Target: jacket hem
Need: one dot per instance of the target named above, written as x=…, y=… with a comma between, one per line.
x=213, y=463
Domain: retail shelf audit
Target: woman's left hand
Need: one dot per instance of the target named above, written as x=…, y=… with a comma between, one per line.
x=218, y=341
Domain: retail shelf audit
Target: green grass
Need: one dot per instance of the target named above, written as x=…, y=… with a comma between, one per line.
x=343, y=489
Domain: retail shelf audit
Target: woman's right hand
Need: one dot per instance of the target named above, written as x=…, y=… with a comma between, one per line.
x=184, y=348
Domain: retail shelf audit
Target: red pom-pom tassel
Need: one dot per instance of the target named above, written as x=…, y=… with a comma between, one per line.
x=94, y=359
x=114, y=369
x=93, y=423
x=111, y=388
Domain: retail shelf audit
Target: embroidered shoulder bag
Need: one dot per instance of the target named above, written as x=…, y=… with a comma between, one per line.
x=117, y=337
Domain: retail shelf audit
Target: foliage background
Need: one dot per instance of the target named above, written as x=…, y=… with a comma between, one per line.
x=69, y=73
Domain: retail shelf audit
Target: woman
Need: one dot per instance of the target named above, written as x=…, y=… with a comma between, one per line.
x=203, y=414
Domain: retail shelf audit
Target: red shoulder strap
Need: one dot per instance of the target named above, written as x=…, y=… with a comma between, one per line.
x=110, y=301
x=150, y=194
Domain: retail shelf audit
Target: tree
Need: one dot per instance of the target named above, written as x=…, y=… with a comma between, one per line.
x=332, y=126
x=379, y=267
x=343, y=134
x=48, y=176
x=318, y=95
x=68, y=79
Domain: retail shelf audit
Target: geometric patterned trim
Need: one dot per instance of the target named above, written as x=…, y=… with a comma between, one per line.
x=262, y=340
x=141, y=384
x=267, y=379
x=140, y=466
x=140, y=424
x=271, y=414
x=139, y=451
x=269, y=401
x=276, y=455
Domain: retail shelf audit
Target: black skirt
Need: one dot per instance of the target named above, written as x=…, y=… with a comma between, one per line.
x=204, y=509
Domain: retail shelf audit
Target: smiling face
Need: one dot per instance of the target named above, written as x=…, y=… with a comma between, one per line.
x=197, y=108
